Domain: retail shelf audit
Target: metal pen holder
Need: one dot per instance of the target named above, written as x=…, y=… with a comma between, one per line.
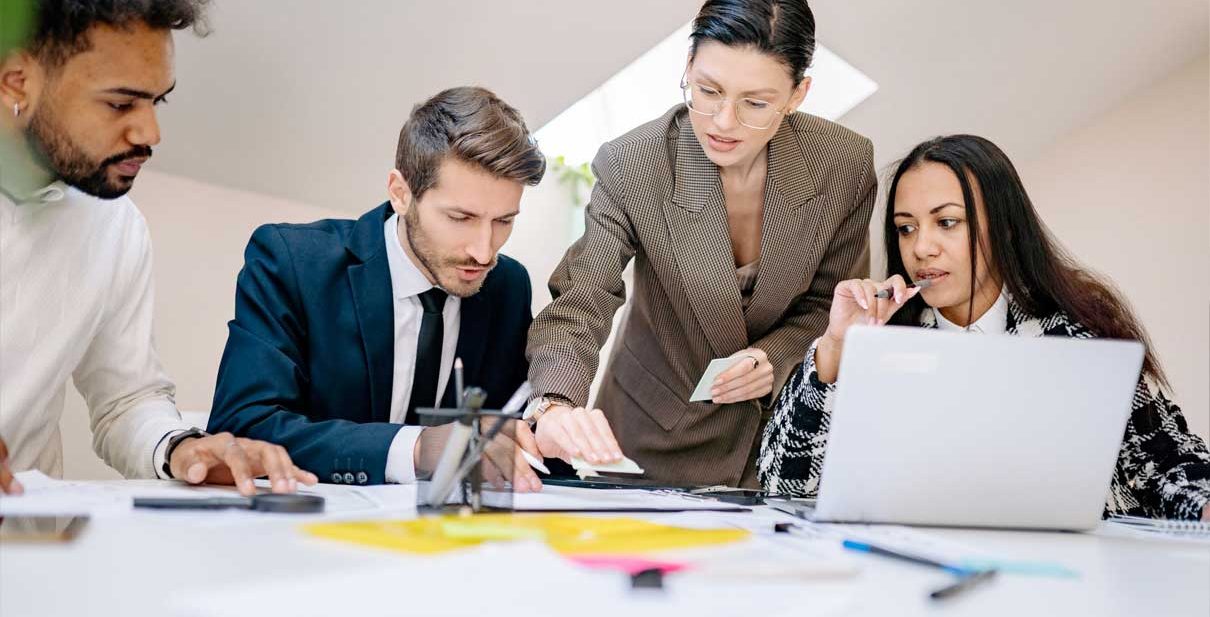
x=457, y=481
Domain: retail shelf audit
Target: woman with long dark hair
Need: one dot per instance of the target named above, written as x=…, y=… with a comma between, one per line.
x=741, y=214
x=958, y=216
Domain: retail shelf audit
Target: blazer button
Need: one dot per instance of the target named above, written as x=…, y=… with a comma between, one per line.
x=362, y=478
x=336, y=478
x=349, y=477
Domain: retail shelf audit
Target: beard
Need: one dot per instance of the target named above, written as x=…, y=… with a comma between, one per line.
x=56, y=152
x=441, y=267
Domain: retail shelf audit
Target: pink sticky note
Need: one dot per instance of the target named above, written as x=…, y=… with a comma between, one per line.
x=629, y=565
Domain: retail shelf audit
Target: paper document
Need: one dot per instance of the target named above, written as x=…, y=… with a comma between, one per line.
x=576, y=498
x=706, y=383
x=46, y=496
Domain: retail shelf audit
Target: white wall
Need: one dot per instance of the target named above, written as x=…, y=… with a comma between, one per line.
x=1129, y=194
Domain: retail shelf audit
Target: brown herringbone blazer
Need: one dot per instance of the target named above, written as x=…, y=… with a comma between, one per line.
x=659, y=200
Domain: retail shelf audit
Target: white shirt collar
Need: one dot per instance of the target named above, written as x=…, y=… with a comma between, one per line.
x=994, y=321
x=406, y=279
x=53, y=192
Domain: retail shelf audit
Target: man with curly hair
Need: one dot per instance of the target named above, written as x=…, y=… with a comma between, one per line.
x=78, y=100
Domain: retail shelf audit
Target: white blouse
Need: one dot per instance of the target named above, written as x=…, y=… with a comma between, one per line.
x=994, y=321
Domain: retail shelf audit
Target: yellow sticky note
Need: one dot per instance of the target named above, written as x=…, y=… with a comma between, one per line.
x=567, y=534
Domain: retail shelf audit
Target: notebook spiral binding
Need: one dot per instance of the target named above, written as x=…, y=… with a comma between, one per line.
x=1167, y=526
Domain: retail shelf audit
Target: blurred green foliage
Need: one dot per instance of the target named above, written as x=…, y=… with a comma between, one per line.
x=16, y=23
x=578, y=179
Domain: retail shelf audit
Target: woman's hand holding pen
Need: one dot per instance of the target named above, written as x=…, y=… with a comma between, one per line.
x=857, y=301
x=566, y=433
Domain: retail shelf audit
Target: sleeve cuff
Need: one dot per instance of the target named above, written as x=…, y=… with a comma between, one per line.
x=401, y=466
x=157, y=455
x=157, y=422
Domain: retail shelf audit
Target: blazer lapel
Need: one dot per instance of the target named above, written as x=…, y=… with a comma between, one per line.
x=370, y=282
x=698, y=228
x=789, y=186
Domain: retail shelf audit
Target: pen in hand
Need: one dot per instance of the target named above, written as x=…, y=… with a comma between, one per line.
x=885, y=294
x=514, y=404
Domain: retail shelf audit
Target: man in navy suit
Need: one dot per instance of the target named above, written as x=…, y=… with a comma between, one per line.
x=343, y=329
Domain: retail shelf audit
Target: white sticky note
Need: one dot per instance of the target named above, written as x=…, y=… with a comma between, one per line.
x=706, y=383
x=593, y=469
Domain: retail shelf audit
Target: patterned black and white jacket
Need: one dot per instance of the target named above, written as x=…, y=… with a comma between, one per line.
x=1163, y=470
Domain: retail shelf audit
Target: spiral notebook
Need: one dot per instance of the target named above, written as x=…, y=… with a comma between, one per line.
x=1167, y=528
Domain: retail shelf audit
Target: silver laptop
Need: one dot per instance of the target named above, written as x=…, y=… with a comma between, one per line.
x=956, y=429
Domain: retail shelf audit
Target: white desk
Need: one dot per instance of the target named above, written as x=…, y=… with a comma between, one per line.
x=146, y=563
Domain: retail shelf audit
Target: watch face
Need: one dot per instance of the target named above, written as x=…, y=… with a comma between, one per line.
x=546, y=405
x=533, y=409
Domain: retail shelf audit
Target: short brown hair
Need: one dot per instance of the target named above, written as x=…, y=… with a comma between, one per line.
x=474, y=126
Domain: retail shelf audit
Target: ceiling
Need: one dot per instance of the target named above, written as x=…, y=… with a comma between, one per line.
x=1020, y=73
x=306, y=102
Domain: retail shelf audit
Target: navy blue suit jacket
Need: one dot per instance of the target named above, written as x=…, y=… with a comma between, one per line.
x=310, y=354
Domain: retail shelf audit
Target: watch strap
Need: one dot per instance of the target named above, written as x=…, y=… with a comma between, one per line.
x=175, y=441
x=538, y=407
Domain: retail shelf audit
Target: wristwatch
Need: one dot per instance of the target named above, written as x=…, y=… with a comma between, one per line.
x=540, y=405
x=175, y=441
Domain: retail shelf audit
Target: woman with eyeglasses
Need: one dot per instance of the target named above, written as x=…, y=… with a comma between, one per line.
x=958, y=216
x=741, y=214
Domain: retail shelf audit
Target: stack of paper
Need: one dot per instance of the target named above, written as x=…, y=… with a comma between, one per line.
x=568, y=498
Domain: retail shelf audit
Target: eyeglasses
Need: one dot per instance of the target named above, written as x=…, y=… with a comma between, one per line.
x=752, y=113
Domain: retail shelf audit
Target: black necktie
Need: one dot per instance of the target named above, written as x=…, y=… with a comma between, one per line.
x=428, y=354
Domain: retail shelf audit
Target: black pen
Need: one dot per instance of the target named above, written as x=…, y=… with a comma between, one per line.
x=962, y=584
x=921, y=284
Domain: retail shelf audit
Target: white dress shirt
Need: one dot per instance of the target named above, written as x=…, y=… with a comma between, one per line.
x=76, y=301
x=407, y=283
x=994, y=321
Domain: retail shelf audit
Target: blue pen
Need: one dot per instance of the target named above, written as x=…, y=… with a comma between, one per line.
x=864, y=547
